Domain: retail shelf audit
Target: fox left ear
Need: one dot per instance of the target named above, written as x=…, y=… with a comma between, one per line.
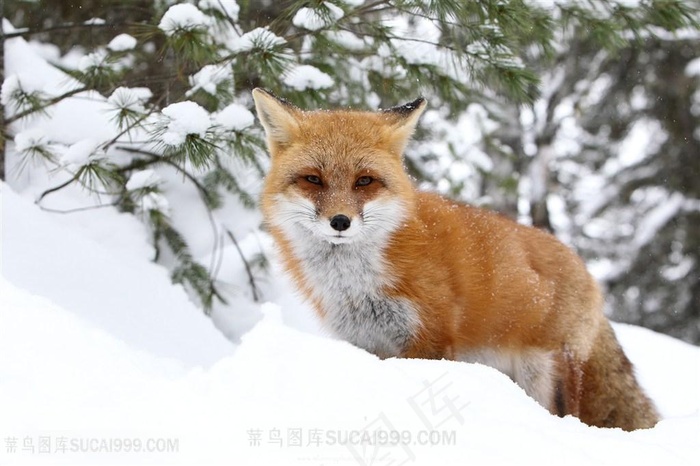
x=278, y=117
x=403, y=121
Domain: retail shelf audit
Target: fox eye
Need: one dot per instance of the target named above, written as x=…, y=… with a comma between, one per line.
x=313, y=179
x=363, y=181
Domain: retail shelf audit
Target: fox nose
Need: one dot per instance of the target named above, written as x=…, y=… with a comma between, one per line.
x=340, y=222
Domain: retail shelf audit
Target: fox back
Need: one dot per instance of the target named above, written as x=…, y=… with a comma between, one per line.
x=402, y=273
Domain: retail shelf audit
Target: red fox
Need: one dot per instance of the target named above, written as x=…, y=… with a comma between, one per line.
x=403, y=273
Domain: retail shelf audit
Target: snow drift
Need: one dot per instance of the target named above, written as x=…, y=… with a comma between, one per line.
x=101, y=351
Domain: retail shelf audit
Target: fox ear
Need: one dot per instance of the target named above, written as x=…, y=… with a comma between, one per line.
x=403, y=120
x=278, y=117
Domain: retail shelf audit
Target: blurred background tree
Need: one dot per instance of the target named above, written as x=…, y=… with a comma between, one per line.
x=580, y=117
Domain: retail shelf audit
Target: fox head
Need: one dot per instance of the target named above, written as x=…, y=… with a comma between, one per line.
x=336, y=176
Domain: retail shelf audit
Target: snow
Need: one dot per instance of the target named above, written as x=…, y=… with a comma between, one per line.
x=313, y=19
x=32, y=71
x=29, y=139
x=258, y=38
x=693, y=68
x=142, y=179
x=645, y=137
x=130, y=98
x=95, y=22
x=601, y=8
x=228, y=7
x=678, y=271
x=667, y=208
x=105, y=278
x=122, y=43
x=304, y=77
x=209, y=77
x=91, y=360
x=18, y=84
x=629, y=3
x=184, y=118
x=92, y=60
x=99, y=344
x=80, y=153
x=417, y=42
x=182, y=17
x=459, y=148
x=234, y=117
x=154, y=201
x=348, y=40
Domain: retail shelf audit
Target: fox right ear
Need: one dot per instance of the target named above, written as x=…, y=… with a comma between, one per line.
x=278, y=117
x=403, y=120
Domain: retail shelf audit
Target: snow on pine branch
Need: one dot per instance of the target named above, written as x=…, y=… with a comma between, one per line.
x=93, y=61
x=122, y=43
x=143, y=186
x=33, y=145
x=257, y=39
x=303, y=77
x=234, y=117
x=183, y=17
x=30, y=139
x=22, y=91
x=142, y=179
x=313, y=19
x=228, y=8
x=209, y=77
x=348, y=40
x=130, y=98
x=79, y=154
x=183, y=119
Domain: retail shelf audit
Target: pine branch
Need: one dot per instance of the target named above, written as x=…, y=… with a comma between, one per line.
x=80, y=209
x=45, y=104
x=68, y=182
x=157, y=158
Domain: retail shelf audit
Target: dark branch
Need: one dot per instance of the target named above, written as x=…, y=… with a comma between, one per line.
x=249, y=271
x=62, y=27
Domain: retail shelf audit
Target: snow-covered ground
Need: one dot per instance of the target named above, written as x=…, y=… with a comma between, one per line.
x=102, y=356
x=104, y=361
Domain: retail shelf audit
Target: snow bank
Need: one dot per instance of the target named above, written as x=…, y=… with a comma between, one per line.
x=71, y=119
x=104, y=348
x=131, y=298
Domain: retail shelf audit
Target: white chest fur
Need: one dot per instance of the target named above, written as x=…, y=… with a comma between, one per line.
x=349, y=281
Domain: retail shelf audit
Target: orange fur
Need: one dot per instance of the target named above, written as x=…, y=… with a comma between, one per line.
x=479, y=282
